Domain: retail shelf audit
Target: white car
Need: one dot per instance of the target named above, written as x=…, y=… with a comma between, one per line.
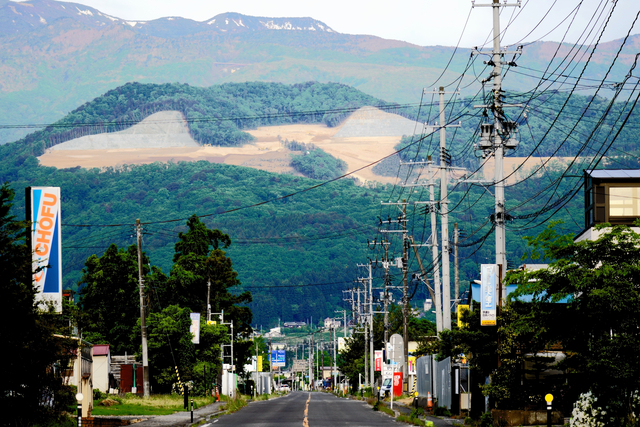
x=284, y=387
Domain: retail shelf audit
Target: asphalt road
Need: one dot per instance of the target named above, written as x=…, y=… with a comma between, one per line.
x=304, y=409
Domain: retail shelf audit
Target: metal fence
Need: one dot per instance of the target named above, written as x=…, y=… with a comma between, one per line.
x=434, y=377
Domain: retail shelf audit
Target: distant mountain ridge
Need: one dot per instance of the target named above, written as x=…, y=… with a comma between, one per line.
x=25, y=17
x=58, y=55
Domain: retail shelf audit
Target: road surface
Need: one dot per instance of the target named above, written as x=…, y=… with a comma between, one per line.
x=304, y=409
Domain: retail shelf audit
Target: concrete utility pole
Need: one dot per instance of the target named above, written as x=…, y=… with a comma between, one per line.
x=501, y=135
x=371, y=361
x=366, y=339
x=444, y=222
x=385, y=245
x=434, y=253
x=405, y=293
x=334, y=373
x=436, y=292
x=456, y=235
x=143, y=323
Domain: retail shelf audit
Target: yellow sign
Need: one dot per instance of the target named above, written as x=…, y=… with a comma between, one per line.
x=461, y=308
x=211, y=322
x=412, y=365
x=259, y=363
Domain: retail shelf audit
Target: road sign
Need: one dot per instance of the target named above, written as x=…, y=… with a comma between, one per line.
x=278, y=358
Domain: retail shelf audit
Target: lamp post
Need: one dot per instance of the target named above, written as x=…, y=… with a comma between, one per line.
x=79, y=398
x=549, y=399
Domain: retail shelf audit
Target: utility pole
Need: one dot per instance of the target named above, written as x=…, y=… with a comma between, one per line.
x=371, y=361
x=143, y=323
x=208, y=300
x=366, y=339
x=333, y=361
x=445, y=160
x=456, y=235
x=444, y=222
x=436, y=293
x=405, y=294
x=405, y=291
x=501, y=134
x=434, y=253
x=385, y=264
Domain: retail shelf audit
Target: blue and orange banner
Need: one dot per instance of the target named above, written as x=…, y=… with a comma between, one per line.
x=43, y=210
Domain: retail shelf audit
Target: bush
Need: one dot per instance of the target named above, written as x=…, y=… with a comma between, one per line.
x=441, y=411
x=319, y=165
x=486, y=420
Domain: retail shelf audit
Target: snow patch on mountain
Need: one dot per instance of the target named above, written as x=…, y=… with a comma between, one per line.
x=84, y=12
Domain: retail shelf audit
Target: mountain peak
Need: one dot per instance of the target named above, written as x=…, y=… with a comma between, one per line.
x=23, y=17
x=236, y=22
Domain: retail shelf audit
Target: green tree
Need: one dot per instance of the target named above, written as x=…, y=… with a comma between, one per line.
x=600, y=328
x=198, y=270
x=32, y=389
x=170, y=346
x=110, y=298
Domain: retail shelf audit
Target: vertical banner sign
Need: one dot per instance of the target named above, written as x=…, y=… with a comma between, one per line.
x=462, y=308
x=195, y=328
x=488, y=282
x=397, y=383
x=259, y=363
x=43, y=211
x=378, y=359
x=412, y=365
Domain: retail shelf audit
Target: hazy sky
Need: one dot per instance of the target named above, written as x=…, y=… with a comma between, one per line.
x=423, y=22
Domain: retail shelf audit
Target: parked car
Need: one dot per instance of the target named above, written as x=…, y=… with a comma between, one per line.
x=284, y=387
x=385, y=388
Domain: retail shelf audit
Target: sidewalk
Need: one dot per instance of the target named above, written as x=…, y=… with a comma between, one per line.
x=437, y=421
x=179, y=418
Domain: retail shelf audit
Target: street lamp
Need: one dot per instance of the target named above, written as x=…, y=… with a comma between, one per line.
x=79, y=398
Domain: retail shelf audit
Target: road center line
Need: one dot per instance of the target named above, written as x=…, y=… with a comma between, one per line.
x=305, y=421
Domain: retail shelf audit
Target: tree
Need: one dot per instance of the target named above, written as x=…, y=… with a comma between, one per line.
x=32, y=388
x=195, y=266
x=170, y=348
x=110, y=298
x=600, y=328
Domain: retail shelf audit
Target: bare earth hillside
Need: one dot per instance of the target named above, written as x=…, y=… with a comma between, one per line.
x=365, y=137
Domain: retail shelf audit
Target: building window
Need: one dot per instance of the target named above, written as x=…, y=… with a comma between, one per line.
x=624, y=201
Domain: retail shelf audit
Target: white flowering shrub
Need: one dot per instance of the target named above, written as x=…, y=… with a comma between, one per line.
x=586, y=413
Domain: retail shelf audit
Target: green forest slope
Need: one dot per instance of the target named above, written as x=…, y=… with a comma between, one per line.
x=295, y=241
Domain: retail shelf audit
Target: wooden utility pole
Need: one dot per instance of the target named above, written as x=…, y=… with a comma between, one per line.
x=143, y=324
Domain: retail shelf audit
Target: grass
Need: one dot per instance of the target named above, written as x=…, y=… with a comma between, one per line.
x=409, y=420
x=236, y=404
x=163, y=404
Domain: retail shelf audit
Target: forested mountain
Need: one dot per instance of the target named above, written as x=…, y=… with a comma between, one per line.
x=295, y=241
x=58, y=55
x=215, y=115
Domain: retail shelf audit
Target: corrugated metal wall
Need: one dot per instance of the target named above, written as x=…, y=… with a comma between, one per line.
x=439, y=385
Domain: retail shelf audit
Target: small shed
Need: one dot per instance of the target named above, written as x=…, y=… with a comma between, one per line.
x=101, y=367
